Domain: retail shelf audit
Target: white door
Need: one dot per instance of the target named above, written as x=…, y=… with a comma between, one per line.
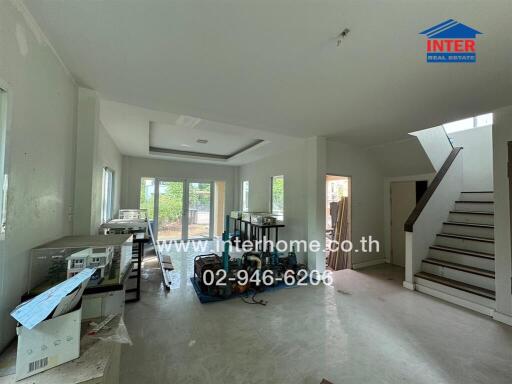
x=403, y=201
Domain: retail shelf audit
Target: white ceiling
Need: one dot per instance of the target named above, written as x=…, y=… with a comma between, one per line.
x=130, y=127
x=274, y=65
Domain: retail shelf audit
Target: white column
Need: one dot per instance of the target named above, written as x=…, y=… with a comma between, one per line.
x=86, y=146
x=316, y=171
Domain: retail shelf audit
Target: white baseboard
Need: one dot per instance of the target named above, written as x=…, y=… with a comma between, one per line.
x=410, y=286
x=456, y=300
x=368, y=263
x=502, y=318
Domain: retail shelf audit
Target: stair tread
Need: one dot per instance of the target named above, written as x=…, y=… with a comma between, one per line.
x=458, y=285
x=475, y=238
x=475, y=201
x=474, y=212
x=463, y=251
x=460, y=267
x=468, y=224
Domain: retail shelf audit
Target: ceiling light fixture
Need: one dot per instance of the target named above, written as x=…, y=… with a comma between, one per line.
x=201, y=141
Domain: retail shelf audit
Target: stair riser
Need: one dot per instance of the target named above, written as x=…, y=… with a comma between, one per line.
x=456, y=292
x=482, y=207
x=470, y=245
x=469, y=231
x=471, y=218
x=465, y=277
x=470, y=261
x=480, y=196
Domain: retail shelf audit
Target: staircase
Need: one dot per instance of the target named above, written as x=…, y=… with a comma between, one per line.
x=460, y=264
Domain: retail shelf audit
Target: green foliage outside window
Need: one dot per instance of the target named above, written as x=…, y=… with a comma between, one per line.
x=278, y=195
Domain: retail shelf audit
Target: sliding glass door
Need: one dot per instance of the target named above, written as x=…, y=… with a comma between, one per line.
x=182, y=209
x=199, y=210
x=170, y=210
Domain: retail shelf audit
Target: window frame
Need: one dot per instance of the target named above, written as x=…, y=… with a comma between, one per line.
x=5, y=116
x=278, y=214
x=107, y=194
x=245, y=199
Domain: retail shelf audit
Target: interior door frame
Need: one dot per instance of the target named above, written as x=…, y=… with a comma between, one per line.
x=185, y=207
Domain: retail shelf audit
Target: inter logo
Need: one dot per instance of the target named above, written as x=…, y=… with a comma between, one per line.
x=451, y=42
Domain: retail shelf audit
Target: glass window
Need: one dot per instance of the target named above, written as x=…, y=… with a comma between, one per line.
x=277, y=202
x=245, y=196
x=107, y=199
x=469, y=123
x=147, y=196
x=484, y=120
x=459, y=125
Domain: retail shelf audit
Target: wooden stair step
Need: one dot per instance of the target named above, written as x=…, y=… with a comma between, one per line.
x=478, y=192
x=458, y=285
x=474, y=212
x=468, y=224
x=463, y=237
x=463, y=251
x=475, y=201
x=460, y=267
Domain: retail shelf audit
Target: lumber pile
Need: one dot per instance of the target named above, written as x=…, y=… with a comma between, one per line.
x=338, y=259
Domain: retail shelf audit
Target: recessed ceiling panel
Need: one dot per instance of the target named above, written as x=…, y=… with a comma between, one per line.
x=196, y=137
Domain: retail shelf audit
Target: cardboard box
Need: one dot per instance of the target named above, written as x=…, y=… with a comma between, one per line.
x=103, y=304
x=52, y=342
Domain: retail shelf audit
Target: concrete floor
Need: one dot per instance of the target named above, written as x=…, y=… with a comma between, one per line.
x=365, y=329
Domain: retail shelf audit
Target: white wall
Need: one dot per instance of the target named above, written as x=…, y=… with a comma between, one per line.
x=477, y=167
x=41, y=150
x=435, y=144
x=390, y=158
x=107, y=155
x=292, y=163
x=95, y=150
x=367, y=197
x=502, y=134
x=134, y=168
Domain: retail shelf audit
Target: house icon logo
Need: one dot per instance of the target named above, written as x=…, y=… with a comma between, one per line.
x=451, y=42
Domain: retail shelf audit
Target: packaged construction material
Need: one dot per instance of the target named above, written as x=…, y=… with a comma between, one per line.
x=236, y=214
x=247, y=216
x=133, y=214
x=137, y=227
x=49, y=326
x=263, y=219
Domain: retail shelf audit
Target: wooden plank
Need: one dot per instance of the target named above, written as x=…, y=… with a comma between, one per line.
x=457, y=285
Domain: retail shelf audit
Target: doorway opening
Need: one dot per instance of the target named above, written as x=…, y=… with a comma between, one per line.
x=183, y=210
x=338, y=221
x=404, y=197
